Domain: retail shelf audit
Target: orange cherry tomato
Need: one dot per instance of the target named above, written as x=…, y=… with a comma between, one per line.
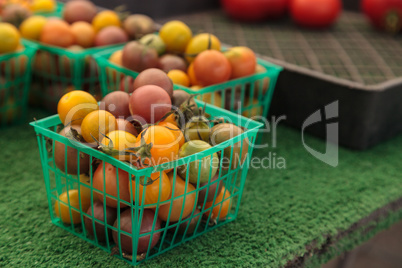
x=158, y=188
x=179, y=77
x=224, y=207
x=242, y=60
x=177, y=202
x=191, y=75
x=175, y=130
x=165, y=147
x=212, y=67
x=74, y=106
x=116, y=57
x=97, y=123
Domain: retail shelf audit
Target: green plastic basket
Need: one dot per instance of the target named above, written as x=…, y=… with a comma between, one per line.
x=249, y=96
x=58, y=71
x=15, y=78
x=171, y=234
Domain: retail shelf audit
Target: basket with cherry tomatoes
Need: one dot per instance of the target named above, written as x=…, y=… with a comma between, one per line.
x=68, y=40
x=137, y=174
x=15, y=75
x=231, y=78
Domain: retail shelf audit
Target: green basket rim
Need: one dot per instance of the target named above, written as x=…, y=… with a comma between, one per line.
x=41, y=127
x=29, y=50
x=66, y=52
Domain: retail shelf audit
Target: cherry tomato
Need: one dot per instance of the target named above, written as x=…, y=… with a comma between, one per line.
x=156, y=187
x=200, y=43
x=255, y=10
x=315, y=14
x=149, y=103
x=85, y=190
x=191, y=75
x=165, y=147
x=176, y=35
x=121, y=140
x=211, y=67
x=116, y=57
x=177, y=203
x=97, y=123
x=64, y=212
x=75, y=105
x=224, y=206
x=175, y=130
x=66, y=158
x=384, y=14
x=242, y=60
x=105, y=181
x=104, y=19
x=179, y=77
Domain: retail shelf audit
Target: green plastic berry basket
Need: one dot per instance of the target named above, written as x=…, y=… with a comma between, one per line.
x=250, y=96
x=58, y=70
x=15, y=78
x=166, y=234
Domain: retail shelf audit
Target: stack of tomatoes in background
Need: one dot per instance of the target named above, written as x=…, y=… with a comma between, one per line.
x=385, y=15
x=307, y=13
x=81, y=31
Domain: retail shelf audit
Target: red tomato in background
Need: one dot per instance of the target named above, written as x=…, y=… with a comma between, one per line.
x=315, y=13
x=384, y=14
x=255, y=10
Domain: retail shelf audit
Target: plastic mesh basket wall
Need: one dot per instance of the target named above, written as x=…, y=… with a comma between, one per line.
x=73, y=212
x=15, y=78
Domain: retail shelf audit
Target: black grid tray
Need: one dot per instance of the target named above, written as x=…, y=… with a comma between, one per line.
x=350, y=62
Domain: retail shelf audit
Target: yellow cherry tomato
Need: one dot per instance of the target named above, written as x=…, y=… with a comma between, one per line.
x=45, y=6
x=176, y=35
x=200, y=43
x=105, y=18
x=63, y=210
x=121, y=140
x=179, y=77
x=10, y=38
x=32, y=27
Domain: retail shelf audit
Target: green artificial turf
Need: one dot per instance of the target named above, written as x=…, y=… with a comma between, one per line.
x=307, y=207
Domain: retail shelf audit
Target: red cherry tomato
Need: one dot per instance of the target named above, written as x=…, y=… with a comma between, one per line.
x=254, y=10
x=315, y=13
x=384, y=14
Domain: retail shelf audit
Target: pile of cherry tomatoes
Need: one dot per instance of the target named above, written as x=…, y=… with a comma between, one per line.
x=151, y=126
x=190, y=61
x=83, y=26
